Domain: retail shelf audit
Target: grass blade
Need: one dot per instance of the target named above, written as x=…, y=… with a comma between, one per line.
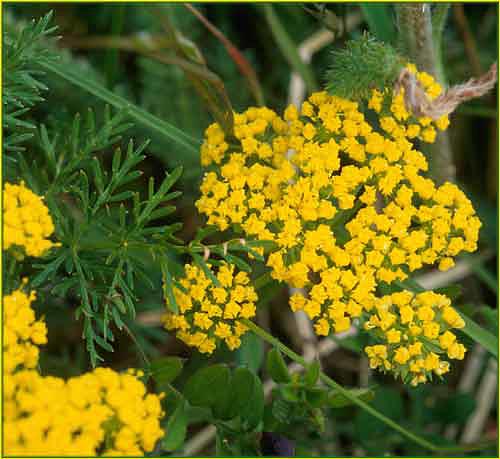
x=480, y=335
x=380, y=22
x=288, y=48
x=141, y=116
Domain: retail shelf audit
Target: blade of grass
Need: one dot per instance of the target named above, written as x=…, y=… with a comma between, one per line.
x=486, y=277
x=206, y=83
x=288, y=48
x=212, y=91
x=144, y=118
x=480, y=335
x=379, y=19
x=239, y=59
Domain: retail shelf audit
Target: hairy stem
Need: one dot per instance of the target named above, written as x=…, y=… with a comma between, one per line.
x=418, y=40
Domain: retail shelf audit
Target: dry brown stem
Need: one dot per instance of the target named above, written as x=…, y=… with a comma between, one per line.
x=419, y=104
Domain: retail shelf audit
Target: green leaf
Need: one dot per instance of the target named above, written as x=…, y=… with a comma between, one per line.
x=316, y=396
x=251, y=352
x=480, y=335
x=490, y=316
x=281, y=410
x=238, y=262
x=290, y=392
x=337, y=400
x=48, y=270
x=176, y=428
x=104, y=344
x=170, y=179
x=238, y=396
x=208, y=385
x=204, y=232
x=242, y=388
x=276, y=367
x=312, y=374
x=253, y=411
x=168, y=285
x=166, y=369
x=485, y=276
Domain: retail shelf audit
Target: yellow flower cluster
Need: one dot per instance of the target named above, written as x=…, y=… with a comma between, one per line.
x=341, y=170
x=22, y=332
x=27, y=222
x=249, y=181
x=414, y=332
x=342, y=197
x=210, y=313
x=101, y=412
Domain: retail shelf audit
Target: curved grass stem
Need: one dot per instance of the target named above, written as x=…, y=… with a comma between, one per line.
x=143, y=117
x=355, y=400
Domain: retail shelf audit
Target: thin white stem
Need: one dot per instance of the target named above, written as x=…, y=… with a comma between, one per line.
x=485, y=399
x=468, y=379
x=463, y=268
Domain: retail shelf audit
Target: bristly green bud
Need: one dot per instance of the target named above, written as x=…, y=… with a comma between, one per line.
x=364, y=64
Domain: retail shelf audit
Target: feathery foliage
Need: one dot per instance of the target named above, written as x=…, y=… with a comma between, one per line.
x=22, y=87
x=98, y=262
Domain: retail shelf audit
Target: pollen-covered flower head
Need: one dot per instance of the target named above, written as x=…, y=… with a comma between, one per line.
x=414, y=335
x=210, y=313
x=27, y=222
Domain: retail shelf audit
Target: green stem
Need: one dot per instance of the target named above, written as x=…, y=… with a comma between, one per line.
x=334, y=385
x=418, y=41
x=347, y=394
x=439, y=16
x=113, y=56
x=143, y=355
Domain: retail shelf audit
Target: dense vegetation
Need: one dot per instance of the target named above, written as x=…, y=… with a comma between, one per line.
x=141, y=258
